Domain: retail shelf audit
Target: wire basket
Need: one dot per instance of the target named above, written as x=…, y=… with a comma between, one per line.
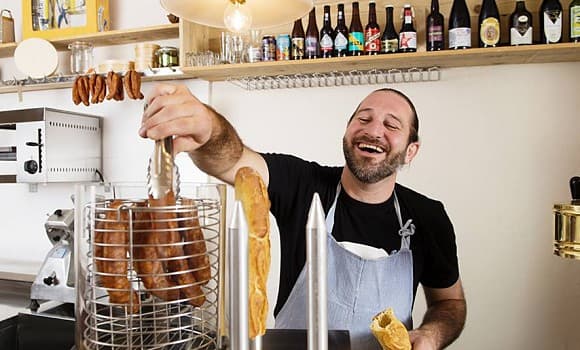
x=151, y=275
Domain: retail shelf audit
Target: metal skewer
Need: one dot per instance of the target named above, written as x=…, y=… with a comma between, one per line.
x=316, y=271
x=238, y=279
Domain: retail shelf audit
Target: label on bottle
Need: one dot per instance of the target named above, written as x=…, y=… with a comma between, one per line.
x=311, y=44
x=459, y=37
x=553, y=25
x=575, y=22
x=297, y=47
x=340, y=42
x=489, y=31
x=521, y=32
x=356, y=41
x=373, y=40
x=408, y=40
x=326, y=44
x=435, y=33
x=390, y=45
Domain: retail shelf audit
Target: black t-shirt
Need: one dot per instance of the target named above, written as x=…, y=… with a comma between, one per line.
x=294, y=181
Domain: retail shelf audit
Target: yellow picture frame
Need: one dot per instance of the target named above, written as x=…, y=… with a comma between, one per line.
x=64, y=18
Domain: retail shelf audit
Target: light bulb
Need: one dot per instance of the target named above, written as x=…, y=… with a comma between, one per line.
x=237, y=17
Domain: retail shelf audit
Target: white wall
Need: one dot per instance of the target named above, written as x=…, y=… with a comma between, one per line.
x=499, y=144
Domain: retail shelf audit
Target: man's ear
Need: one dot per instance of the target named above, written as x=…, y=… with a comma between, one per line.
x=412, y=150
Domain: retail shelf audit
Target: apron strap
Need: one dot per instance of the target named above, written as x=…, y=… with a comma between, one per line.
x=406, y=230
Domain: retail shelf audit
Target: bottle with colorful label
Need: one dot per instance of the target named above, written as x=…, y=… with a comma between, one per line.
x=575, y=21
x=408, y=33
x=356, y=36
x=489, y=30
x=372, y=32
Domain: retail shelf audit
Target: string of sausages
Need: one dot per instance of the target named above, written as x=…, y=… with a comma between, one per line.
x=92, y=88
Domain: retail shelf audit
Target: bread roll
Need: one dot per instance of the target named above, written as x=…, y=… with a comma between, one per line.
x=253, y=195
x=390, y=332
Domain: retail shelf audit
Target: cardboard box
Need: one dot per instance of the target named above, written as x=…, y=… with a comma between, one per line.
x=6, y=27
x=51, y=19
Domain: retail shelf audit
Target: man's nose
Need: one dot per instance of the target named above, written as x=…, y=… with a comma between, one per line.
x=375, y=128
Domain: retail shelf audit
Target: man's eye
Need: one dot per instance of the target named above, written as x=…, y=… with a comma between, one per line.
x=364, y=120
x=392, y=126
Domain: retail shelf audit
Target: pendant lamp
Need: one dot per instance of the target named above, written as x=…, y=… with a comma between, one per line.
x=239, y=15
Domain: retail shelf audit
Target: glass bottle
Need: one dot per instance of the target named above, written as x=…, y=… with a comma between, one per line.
x=551, y=22
x=459, y=26
x=435, y=28
x=408, y=33
x=372, y=32
x=311, y=42
x=521, y=31
x=326, y=35
x=489, y=27
x=297, y=40
x=341, y=34
x=390, y=38
x=575, y=21
x=356, y=37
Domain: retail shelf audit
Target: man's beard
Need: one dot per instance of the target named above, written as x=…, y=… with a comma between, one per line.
x=366, y=171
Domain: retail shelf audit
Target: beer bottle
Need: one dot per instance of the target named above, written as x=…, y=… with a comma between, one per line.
x=326, y=35
x=297, y=40
x=489, y=31
x=521, y=25
x=340, y=34
x=575, y=21
x=408, y=34
x=372, y=32
x=356, y=37
x=390, y=38
x=551, y=22
x=435, y=28
x=311, y=41
x=459, y=26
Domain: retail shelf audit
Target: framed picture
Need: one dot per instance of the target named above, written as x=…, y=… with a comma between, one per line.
x=50, y=19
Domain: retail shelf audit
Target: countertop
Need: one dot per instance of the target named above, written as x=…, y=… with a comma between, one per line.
x=14, y=297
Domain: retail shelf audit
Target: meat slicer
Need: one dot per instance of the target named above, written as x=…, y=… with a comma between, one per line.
x=55, y=279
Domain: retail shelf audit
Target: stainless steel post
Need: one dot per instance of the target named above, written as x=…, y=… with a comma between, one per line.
x=238, y=279
x=221, y=322
x=256, y=343
x=316, y=270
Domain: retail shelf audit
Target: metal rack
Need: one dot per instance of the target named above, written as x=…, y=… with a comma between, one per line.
x=147, y=321
x=336, y=78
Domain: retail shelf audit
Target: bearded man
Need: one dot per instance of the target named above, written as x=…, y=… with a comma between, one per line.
x=366, y=209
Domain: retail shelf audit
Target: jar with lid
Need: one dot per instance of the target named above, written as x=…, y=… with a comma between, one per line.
x=167, y=56
x=81, y=57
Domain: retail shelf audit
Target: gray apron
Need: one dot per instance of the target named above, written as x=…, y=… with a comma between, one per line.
x=358, y=288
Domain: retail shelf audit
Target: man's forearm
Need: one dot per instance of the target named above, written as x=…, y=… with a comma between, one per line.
x=223, y=149
x=444, y=321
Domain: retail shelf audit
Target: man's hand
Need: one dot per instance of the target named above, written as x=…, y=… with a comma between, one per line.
x=422, y=340
x=173, y=111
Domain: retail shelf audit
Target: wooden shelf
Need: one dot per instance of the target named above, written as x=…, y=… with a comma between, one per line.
x=564, y=52
x=112, y=37
x=68, y=84
x=7, y=50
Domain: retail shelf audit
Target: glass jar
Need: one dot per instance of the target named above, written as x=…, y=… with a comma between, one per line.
x=81, y=57
x=168, y=56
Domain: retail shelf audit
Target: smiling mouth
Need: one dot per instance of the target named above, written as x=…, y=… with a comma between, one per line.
x=370, y=148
